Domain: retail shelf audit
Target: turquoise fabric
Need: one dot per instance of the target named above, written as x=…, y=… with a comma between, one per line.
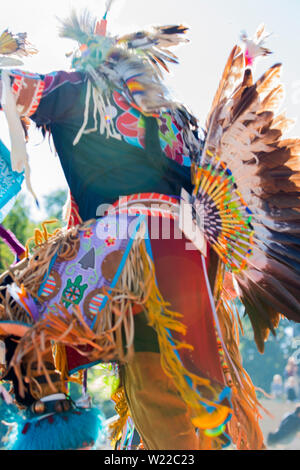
x=10, y=182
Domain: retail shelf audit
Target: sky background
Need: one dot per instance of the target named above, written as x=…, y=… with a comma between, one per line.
x=215, y=26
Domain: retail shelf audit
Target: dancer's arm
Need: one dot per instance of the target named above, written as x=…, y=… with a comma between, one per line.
x=43, y=97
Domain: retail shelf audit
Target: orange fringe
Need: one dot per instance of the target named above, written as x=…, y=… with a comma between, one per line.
x=243, y=427
x=66, y=329
x=121, y=408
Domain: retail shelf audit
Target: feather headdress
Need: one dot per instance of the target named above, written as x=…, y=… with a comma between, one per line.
x=132, y=63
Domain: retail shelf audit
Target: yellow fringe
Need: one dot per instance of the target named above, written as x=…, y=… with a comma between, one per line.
x=244, y=427
x=209, y=443
x=62, y=328
x=162, y=319
x=121, y=407
x=71, y=329
x=41, y=236
x=61, y=364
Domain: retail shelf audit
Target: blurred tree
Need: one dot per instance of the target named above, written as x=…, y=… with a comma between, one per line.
x=102, y=383
x=262, y=367
x=6, y=257
x=17, y=222
x=55, y=202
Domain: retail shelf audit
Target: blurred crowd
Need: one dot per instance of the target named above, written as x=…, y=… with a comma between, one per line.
x=287, y=385
x=286, y=388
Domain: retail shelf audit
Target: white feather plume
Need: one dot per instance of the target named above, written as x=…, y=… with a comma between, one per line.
x=108, y=5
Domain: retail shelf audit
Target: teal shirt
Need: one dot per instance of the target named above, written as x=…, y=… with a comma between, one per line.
x=99, y=169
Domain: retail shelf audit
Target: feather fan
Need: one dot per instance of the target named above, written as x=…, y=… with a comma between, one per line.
x=14, y=44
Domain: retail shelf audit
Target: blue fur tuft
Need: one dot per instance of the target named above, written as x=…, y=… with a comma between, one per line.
x=70, y=430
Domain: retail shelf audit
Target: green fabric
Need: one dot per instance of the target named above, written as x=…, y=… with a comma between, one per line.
x=99, y=169
x=145, y=338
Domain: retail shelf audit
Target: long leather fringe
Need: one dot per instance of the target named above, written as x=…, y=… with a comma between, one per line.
x=243, y=427
x=164, y=321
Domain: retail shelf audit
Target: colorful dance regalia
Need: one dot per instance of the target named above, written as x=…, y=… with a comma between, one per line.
x=123, y=284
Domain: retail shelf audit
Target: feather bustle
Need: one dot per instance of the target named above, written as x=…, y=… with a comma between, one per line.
x=246, y=130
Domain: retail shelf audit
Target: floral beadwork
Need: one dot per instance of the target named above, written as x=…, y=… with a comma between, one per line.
x=110, y=241
x=88, y=233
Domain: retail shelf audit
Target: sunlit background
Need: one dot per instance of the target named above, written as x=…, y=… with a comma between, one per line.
x=215, y=26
